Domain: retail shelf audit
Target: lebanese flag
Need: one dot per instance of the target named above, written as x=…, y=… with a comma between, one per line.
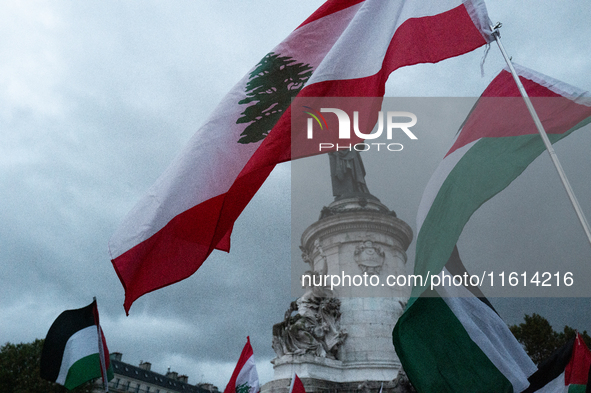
x=71, y=353
x=346, y=48
x=245, y=378
x=567, y=370
x=296, y=385
x=496, y=143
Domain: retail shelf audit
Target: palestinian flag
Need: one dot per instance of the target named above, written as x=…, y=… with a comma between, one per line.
x=71, y=353
x=452, y=340
x=496, y=143
x=245, y=378
x=346, y=48
x=567, y=370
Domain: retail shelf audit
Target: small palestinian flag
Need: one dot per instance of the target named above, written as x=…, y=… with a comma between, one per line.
x=567, y=370
x=245, y=378
x=71, y=353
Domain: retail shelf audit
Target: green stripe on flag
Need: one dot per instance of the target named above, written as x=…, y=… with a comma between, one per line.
x=83, y=370
x=577, y=388
x=485, y=170
x=438, y=354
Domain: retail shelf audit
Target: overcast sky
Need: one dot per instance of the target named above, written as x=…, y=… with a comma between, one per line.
x=97, y=97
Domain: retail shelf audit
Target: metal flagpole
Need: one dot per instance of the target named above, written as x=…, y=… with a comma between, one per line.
x=542, y=132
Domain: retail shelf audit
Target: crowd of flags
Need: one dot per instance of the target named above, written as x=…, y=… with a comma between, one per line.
x=448, y=341
x=75, y=352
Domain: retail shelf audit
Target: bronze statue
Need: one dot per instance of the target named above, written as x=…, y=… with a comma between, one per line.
x=347, y=173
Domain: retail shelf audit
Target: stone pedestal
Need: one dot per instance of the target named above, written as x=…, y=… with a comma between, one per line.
x=362, y=242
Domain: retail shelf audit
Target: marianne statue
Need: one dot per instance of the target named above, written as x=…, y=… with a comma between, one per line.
x=347, y=173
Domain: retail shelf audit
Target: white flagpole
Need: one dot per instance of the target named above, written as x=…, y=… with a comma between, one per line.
x=102, y=355
x=542, y=132
x=293, y=375
x=103, y=362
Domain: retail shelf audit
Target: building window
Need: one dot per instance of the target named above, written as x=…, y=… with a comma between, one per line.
x=137, y=388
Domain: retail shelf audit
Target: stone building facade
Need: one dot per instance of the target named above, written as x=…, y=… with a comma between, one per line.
x=141, y=379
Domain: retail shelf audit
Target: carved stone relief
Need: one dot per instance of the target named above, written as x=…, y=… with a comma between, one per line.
x=369, y=256
x=311, y=325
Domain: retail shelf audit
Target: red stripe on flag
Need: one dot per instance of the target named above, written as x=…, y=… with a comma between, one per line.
x=95, y=313
x=504, y=86
x=172, y=254
x=432, y=38
x=330, y=7
x=296, y=385
x=244, y=356
x=577, y=370
x=501, y=102
x=224, y=243
x=419, y=40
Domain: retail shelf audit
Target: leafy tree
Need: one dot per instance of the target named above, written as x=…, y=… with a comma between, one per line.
x=540, y=340
x=19, y=371
x=272, y=85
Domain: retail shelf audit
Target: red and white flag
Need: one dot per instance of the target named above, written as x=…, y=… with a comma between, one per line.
x=345, y=49
x=245, y=378
x=296, y=385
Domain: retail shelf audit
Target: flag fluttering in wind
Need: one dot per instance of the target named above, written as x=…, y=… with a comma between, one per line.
x=72, y=352
x=344, y=49
x=451, y=340
x=567, y=370
x=245, y=378
x=496, y=143
x=297, y=386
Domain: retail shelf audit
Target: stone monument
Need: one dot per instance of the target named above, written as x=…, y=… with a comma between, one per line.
x=340, y=340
